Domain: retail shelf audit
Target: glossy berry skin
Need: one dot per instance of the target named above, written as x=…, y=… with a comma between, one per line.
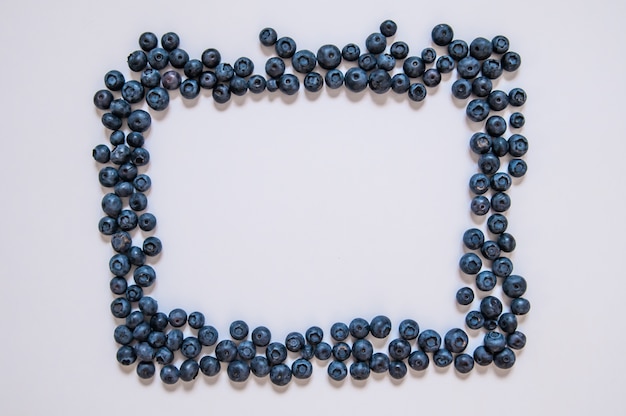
x=413, y=67
x=461, y=89
x=386, y=62
x=517, y=97
x=518, y=145
x=473, y=238
x=146, y=221
x=517, y=120
x=379, y=81
x=193, y=68
x=465, y=296
x=238, y=371
x=120, y=307
x=431, y=77
x=455, y=340
x=337, y=370
x=418, y=361
x=380, y=326
x=339, y=331
x=189, y=370
x=158, y=98
x=328, y=56
x=294, y=341
x=304, y=61
x=350, y=52
x=458, y=49
x=276, y=353
x=209, y=366
x=482, y=357
x=211, y=58
x=259, y=366
x=500, y=44
x=334, y=79
x=507, y=322
x=379, y=363
x=408, y=329
x=362, y=350
x=495, y=126
x=442, y=34
x=514, y=286
x=301, y=368
x=376, y=43
x=491, y=68
x=482, y=86
x=468, y=67
x=239, y=330
x=480, y=48
x=285, y=47
x=516, y=340
x=520, y=306
x=500, y=202
x=511, y=61
x=126, y=355
x=360, y=370
x=517, y=168
x=148, y=41
x=400, y=83
x=169, y=374
x=474, y=320
x=196, y=320
x=280, y=375
x=170, y=41
x=178, y=58
x=207, y=335
x=397, y=369
x=497, y=223
x=114, y=80
x=177, y=317
x=480, y=143
x=359, y=328
x=429, y=341
x=399, y=349
x=256, y=84
x=417, y=92
x=146, y=370
x=341, y=351
x=102, y=99
x=477, y=110
x=226, y=351
x=488, y=163
x=189, y=89
x=314, y=335
x=479, y=183
x=323, y=351
x=119, y=265
x=158, y=58
x=442, y=358
x=491, y=307
x=486, y=281
x=261, y=336
x=506, y=242
x=268, y=36
x=356, y=79
x=221, y=93
x=288, y=84
x=388, y=28
x=367, y=61
x=428, y=55
x=504, y=359
x=400, y=50
x=463, y=363
x=490, y=250
x=470, y=263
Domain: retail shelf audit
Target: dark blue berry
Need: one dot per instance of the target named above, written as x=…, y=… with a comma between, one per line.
x=158, y=58
x=169, y=374
x=480, y=143
x=351, y=52
x=482, y=86
x=268, y=36
x=294, y=341
x=114, y=80
x=517, y=97
x=158, y=98
x=418, y=360
x=207, y=335
x=337, y=370
x=491, y=307
x=111, y=204
x=191, y=347
x=289, y=84
x=146, y=221
x=458, y=49
x=304, y=61
x=314, y=335
x=170, y=41
x=461, y=89
x=463, y=363
x=488, y=163
x=134, y=319
x=367, y=61
x=211, y=58
x=517, y=168
x=429, y=341
x=157, y=340
x=126, y=355
x=139, y=120
x=474, y=320
x=256, y=84
x=148, y=41
x=323, y=351
x=428, y=55
x=275, y=67
x=500, y=44
x=482, y=356
x=102, y=99
x=477, y=110
x=499, y=146
x=506, y=242
x=465, y=296
x=341, y=351
x=480, y=205
x=259, y=366
x=159, y=321
x=400, y=50
x=456, y=340
x=328, y=56
x=189, y=370
x=178, y=58
x=111, y=121
x=495, y=126
x=380, y=326
x=285, y=47
x=134, y=293
x=119, y=265
x=413, y=66
x=226, y=351
x=119, y=108
x=313, y=82
x=123, y=335
x=498, y=100
x=379, y=81
x=308, y=351
x=146, y=369
x=118, y=285
x=339, y=331
x=468, y=67
x=491, y=68
x=431, y=77
x=511, y=61
x=505, y=359
x=417, y=92
x=500, y=202
x=399, y=349
x=386, y=62
x=507, y=322
x=210, y=366
x=497, y=223
x=376, y=43
x=280, y=375
x=400, y=83
x=224, y=72
x=442, y=34
x=516, y=340
x=193, y=68
x=517, y=120
x=520, y=306
x=514, y=286
x=486, y=280
x=480, y=48
x=490, y=250
x=238, y=85
x=445, y=64
x=473, y=238
x=379, y=363
x=138, y=202
x=360, y=370
x=397, y=369
x=359, y=328
x=362, y=350
x=518, y=145
x=442, y=358
x=408, y=329
x=144, y=351
x=150, y=78
x=177, y=317
x=356, y=79
x=301, y=368
x=388, y=28
x=276, y=353
x=261, y=336
x=108, y=177
x=221, y=93
x=189, y=89
x=334, y=79
x=246, y=350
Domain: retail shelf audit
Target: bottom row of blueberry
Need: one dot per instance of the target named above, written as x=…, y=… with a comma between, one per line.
x=241, y=358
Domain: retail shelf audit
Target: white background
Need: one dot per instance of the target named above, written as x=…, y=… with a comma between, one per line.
x=300, y=211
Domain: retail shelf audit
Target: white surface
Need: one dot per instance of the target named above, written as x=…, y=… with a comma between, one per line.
x=299, y=211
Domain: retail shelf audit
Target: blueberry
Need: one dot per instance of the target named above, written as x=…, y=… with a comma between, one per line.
x=190, y=88
x=339, y=331
x=276, y=353
x=148, y=306
x=486, y=280
x=158, y=58
x=337, y=370
x=150, y=78
x=114, y=80
x=520, y=306
x=380, y=326
x=170, y=41
x=511, y=61
x=408, y=329
x=465, y=296
x=159, y=321
x=239, y=330
x=506, y=242
x=399, y=349
x=470, y=263
x=158, y=98
x=461, y=89
x=498, y=100
x=146, y=221
x=280, y=375
x=418, y=361
x=458, y=49
x=138, y=202
x=261, y=336
x=285, y=47
x=243, y=67
x=102, y=99
x=314, y=335
x=323, y=351
x=334, y=79
x=134, y=319
x=210, y=366
x=362, y=350
x=294, y=341
x=490, y=250
x=238, y=371
x=474, y=320
x=193, y=68
x=481, y=48
x=356, y=79
x=211, y=58
x=429, y=341
x=238, y=85
x=328, y=56
x=386, y=62
x=303, y=61
x=289, y=84
x=367, y=61
x=491, y=307
x=119, y=108
x=488, y=163
x=111, y=121
x=360, y=370
x=517, y=120
x=482, y=356
x=442, y=34
x=313, y=82
x=118, y=285
x=121, y=241
x=275, y=67
x=226, y=351
x=350, y=52
x=148, y=41
x=388, y=28
x=178, y=58
x=497, y=223
x=207, y=335
x=516, y=340
x=490, y=324
x=397, y=369
x=500, y=202
x=111, y=204
x=456, y=340
x=514, y=286
x=152, y=246
x=268, y=36
x=359, y=328
x=126, y=355
x=463, y=363
x=445, y=64
x=482, y=86
x=517, y=168
x=431, y=77
x=413, y=66
x=134, y=293
x=376, y=43
x=499, y=146
x=157, y=340
x=196, y=320
x=191, y=347
x=491, y=68
x=442, y=357
x=259, y=366
x=146, y=369
x=144, y=351
x=189, y=370
x=417, y=92
x=468, y=67
x=480, y=143
x=495, y=126
x=128, y=172
x=169, y=374
x=500, y=44
x=505, y=359
x=224, y=72
x=400, y=83
x=139, y=121
x=379, y=81
x=307, y=352
x=379, y=363
x=256, y=84
x=480, y=205
x=107, y=225
x=221, y=93
x=507, y=322
x=123, y=335
x=477, y=110
x=517, y=97
x=473, y=238
x=171, y=80
x=428, y=55
x=119, y=265
x=301, y=368
x=518, y=145
x=177, y=317
x=400, y=50
x=341, y=351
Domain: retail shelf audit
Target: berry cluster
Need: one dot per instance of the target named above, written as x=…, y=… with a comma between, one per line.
x=148, y=335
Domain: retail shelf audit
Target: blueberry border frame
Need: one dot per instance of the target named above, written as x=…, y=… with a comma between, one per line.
x=141, y=331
